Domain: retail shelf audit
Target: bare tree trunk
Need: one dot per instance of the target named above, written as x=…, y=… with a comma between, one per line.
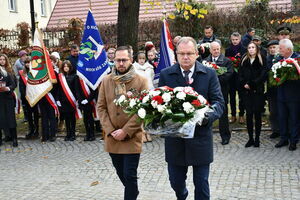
x=128, y=20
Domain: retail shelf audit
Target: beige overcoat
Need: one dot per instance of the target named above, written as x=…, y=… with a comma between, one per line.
x=112, y=117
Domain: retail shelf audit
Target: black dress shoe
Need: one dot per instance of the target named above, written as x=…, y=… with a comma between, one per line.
x=256, y=143
x=292, y=147
x=67, y=138
x=274, y=135
x=249, y=143
x=86, y=138
x=281, y=143
x=15, y=143
x=225, y=141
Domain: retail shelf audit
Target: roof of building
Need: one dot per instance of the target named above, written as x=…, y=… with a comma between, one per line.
x=104, y=12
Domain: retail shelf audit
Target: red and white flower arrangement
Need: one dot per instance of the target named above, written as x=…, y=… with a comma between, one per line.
x=284, y=70
x=165, y=105
x=219, y=70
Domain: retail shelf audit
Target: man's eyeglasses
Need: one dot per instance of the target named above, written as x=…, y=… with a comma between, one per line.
x=185, y=54
x=121, y=60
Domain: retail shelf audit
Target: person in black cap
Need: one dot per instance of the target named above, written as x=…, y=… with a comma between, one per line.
x=273, y=51
x=257, y=40
x=284, y=32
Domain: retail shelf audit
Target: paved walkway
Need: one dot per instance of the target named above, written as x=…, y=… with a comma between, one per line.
x=82, y=170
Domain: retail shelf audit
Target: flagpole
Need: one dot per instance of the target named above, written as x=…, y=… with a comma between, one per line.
x=164, y=11
x=90, y=4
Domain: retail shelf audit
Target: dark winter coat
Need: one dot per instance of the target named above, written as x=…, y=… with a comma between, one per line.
x=198, y=150
x=224, y=78
x=254, y=75
x=7, y=105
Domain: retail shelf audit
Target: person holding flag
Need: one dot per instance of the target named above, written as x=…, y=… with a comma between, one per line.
x=32, y=112
x=40, y=88
x=92, y=66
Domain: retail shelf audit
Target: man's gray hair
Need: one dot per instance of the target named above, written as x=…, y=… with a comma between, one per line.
x=235, y=34
x=215, y=42
x=287, y=43
x=186, y=40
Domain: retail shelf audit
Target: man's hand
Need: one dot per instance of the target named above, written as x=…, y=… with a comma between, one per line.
x=119, y=134
x=247, y=87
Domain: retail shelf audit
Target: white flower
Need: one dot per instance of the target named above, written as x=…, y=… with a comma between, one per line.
x=142, y=113
x=178, y=89
x=161, y=108
x=166, y=97
x=180, y=95
x=132, y=103
x=202, y=99
x=154, y=104
x=145, y=99
x=154, y=93
x=187, y=107
x=284, y=63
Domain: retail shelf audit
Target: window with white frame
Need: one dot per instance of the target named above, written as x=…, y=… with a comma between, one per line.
x=43, y=8
x=12, y=5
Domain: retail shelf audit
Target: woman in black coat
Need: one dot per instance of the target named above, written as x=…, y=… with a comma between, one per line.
x=252, y=75
x=7, y=105
x=65, y=105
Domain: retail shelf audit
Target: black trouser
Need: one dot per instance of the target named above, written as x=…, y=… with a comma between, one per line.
x=33, y=119
x=233, y=88
x=126, y=166
x=88, y=122
x=249, y=118
x=70, y=121
x=49, y=125
x=224, y=125
x=273, y=109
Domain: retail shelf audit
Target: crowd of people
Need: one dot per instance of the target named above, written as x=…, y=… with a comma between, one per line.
x=123, y=134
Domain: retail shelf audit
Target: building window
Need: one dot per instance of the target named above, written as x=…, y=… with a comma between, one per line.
x=43, y=8
x=12, y=5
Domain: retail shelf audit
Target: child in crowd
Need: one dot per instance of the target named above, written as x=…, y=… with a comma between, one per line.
x=143, y=68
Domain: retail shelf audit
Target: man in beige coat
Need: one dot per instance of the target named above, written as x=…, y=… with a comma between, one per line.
x=123, y=134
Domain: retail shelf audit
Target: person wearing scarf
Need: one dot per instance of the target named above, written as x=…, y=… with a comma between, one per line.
x=122, y=133
x=235, y=50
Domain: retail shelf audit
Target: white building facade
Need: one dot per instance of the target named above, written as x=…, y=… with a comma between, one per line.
x=13, y=12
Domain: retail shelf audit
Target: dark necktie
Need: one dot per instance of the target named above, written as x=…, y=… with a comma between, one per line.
x=186, y=76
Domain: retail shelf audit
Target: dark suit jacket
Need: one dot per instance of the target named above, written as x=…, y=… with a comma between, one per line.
x=224, y=78
x=289, y=90
x=198, y=150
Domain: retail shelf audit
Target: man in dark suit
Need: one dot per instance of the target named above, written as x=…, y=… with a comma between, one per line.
x=288, y=98
x=220, y=60
x=198, y=151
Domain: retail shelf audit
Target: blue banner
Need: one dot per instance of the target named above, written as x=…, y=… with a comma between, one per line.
x=92, y=63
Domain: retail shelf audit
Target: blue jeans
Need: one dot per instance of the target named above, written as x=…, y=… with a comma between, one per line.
x=126, y=166
x=177, y=177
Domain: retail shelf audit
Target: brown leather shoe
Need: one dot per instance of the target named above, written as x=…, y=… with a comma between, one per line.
x=232, y=120
x=241, y=119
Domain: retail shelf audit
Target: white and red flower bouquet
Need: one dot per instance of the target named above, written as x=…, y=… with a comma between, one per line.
x=284, y=70
x=165, y=110
x=219, y=70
